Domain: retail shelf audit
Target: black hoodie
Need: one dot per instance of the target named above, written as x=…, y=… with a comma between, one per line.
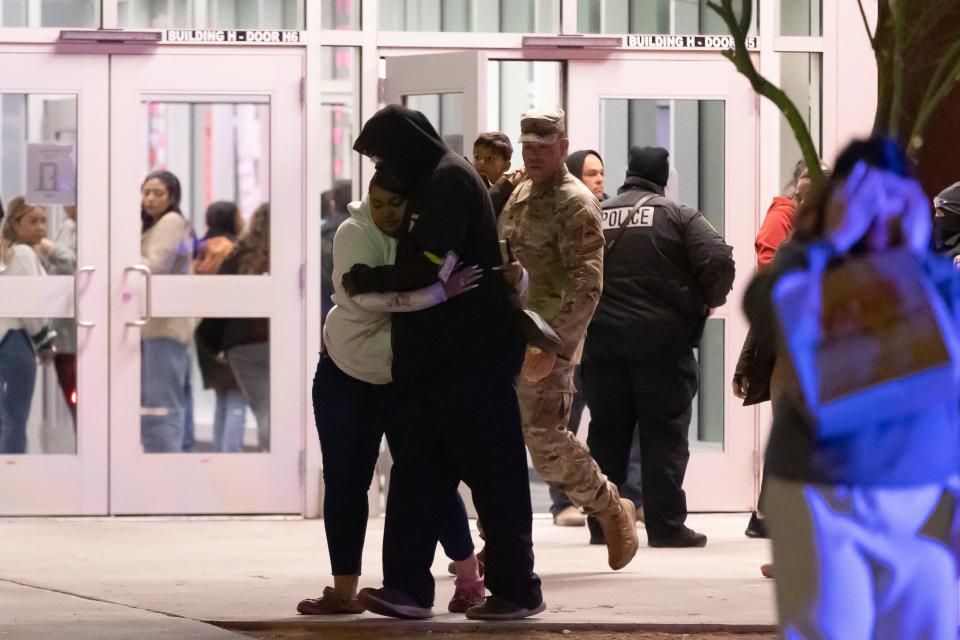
x=448, y=209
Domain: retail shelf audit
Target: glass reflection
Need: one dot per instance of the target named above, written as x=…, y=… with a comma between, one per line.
x=50, y=13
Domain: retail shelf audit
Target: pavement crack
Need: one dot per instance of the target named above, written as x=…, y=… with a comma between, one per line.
x=30, y=585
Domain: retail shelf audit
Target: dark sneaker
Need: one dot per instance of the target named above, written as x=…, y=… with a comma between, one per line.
x=756, y=528
x=330, y=604
x=685, y=537
x=496, y=608
x=393, y=603
x=468, y=593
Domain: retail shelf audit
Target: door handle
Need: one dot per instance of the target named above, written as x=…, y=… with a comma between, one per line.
x=148, y=294
x=76, y=296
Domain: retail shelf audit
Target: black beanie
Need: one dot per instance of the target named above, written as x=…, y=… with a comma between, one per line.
x=649, y=163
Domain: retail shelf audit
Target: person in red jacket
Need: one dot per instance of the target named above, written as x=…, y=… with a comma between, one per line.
x=778, y=223
x=776, y=228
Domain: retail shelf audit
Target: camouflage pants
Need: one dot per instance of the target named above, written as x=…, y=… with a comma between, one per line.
x=561, y=460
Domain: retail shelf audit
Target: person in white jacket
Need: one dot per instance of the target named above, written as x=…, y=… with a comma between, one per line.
x=20, y=338
x=355, y=403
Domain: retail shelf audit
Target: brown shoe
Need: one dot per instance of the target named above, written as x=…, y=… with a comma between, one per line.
x=570, y=517
x=620, y=533
x=330, y=604
x=766, y=570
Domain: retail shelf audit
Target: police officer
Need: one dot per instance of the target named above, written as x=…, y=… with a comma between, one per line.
x=552, y=224
x=666, y=268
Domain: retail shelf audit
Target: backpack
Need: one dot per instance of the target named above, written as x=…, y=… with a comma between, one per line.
x=871, y=339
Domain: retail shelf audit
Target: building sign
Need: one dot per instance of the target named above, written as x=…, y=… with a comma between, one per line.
x=51, y=174
x=233, y=36
x=666, y=42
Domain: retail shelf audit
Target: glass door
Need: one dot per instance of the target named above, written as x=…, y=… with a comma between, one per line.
x=53, y=284
x=448, y=88
x=207, y=400
x=705, y=114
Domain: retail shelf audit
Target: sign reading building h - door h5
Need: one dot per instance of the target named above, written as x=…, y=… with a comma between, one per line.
x=232, y=36
x=713, y=43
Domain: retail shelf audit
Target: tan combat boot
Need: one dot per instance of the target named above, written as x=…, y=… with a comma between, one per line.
x=620, y=533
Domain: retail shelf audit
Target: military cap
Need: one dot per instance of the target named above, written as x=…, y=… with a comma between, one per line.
x=543, y=126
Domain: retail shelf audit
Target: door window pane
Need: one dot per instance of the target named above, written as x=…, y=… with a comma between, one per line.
x=50, y=13
x=38, y=376
x=687, y=17
x=340, y=164
x=211, y=14
x=492, y=16
x=693, y=132
x=801, y=17
x=445, y=112
x=205, y=385
x=219, y=154
x=340, y=14
x=514, y=86
x=801, y=80
x=38, y=136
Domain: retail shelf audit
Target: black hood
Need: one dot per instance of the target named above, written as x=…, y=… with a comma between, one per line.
x=946, y=225
x=576, y=159
x=404, y=142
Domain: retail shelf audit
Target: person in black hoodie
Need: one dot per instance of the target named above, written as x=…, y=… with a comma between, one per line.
x=665, y=267
x=458, y=362
x=946, y=222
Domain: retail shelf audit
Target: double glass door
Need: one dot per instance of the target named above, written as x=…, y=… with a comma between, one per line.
x=174, y=384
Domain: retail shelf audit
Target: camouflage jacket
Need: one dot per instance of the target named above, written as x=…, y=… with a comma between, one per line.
x=556, y=234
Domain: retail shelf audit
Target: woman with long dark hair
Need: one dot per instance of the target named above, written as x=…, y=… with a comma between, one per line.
x=166, y=248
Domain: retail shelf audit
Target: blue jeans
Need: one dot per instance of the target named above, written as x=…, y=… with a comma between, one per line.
x=229, y=421
x=18, y=376
x=163, y=400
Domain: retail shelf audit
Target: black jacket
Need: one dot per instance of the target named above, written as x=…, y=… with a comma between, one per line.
x=666, y=270
x=448, y=209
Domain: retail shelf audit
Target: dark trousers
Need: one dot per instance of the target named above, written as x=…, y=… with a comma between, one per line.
x=467, y=428
x=644, y=382
x=631, y=489
x=352, y=417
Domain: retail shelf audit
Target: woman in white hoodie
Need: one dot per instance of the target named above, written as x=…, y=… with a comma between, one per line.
x=23, y=227
x=355, y=403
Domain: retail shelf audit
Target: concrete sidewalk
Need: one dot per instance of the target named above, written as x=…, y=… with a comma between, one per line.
x=153, y=574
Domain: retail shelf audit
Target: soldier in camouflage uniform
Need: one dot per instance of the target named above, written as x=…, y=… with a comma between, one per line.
x=552, y=224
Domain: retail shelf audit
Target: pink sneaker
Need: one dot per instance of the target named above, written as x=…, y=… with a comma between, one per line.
x=468, y=593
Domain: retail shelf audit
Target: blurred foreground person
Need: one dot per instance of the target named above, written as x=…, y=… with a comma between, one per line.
x=864, y=447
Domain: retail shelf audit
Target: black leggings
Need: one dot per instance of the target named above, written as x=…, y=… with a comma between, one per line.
x=352, y=417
